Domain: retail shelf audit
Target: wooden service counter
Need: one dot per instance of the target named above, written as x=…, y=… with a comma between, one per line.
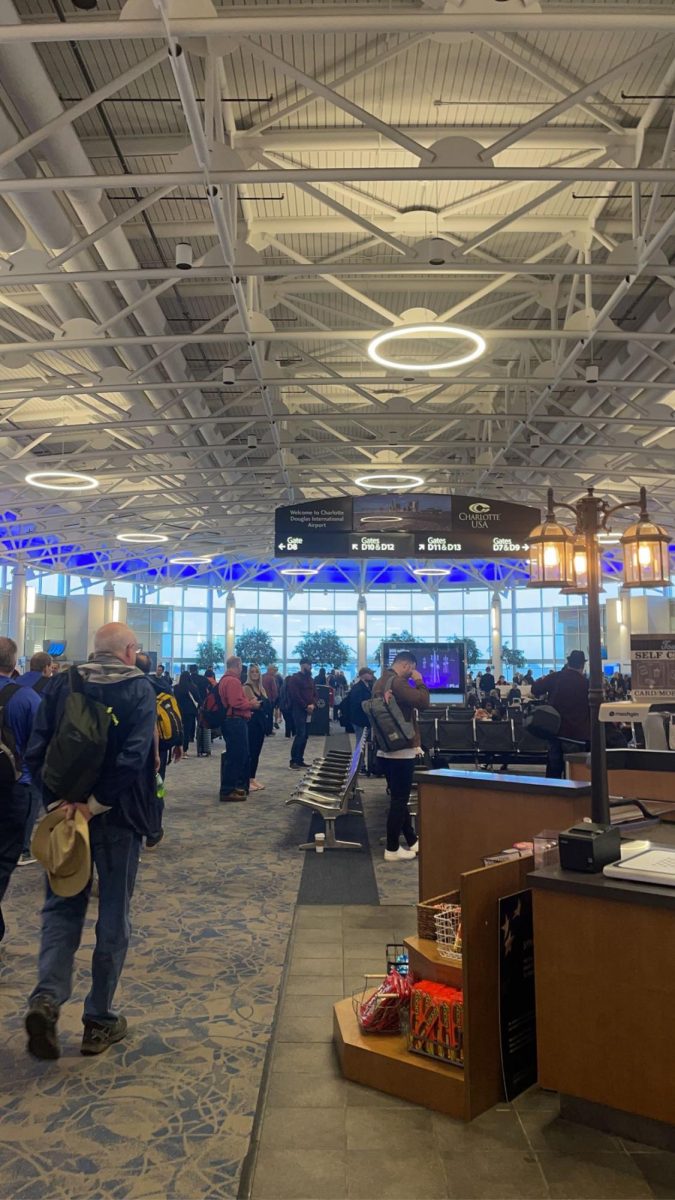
x=635, y=774
x=605, y=982
x=466, y=815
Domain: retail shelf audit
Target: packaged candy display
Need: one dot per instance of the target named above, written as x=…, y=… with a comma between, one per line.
x=380, y=1011
x=397, y=958
x=518, y=850
x=449, y=932
x=437, y=1022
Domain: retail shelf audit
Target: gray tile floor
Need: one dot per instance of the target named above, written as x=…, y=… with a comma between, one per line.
x=323, y=1138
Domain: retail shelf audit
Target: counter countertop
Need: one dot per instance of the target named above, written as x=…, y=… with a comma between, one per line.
x=633, y=759
x=601, y=887
x=564, y=788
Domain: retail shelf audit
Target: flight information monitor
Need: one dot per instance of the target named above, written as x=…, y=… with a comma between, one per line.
x=404, y=525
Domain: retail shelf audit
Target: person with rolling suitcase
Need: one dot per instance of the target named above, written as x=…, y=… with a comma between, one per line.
x=203, y=729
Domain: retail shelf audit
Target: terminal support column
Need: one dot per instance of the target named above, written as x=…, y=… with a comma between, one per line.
x=230, y=617
x=361, y=634
x=17, y=608
x=496, y=634
x=108, y=602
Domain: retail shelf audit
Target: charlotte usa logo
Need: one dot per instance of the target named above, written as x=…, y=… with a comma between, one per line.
x=480, y=515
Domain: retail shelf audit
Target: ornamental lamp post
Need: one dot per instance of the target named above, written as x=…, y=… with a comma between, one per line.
x=571, y=562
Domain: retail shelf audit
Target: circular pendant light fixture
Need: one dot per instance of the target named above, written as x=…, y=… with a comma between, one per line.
x=62, y=481
x=292, y=571
x=425, y=332
x=142, y=539
x=190, y=560
x=388, y=480
x=432, y=572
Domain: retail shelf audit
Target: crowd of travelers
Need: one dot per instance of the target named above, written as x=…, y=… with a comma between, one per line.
x=91, y=746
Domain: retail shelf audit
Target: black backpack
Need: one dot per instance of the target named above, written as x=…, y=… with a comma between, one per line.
x=390, y=729
x=76, y=752
x=10, y=766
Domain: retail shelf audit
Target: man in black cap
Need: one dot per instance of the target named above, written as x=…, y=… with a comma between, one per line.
x=567, y=692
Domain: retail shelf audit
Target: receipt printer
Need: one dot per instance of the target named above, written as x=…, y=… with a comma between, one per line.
x=589, y=847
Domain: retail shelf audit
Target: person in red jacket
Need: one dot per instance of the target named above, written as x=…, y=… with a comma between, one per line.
x=237, y=709
x=302, y=697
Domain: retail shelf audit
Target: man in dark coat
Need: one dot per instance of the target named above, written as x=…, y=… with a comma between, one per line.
x=567, y=692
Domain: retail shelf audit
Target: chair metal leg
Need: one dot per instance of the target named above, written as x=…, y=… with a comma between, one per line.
x=331, y=842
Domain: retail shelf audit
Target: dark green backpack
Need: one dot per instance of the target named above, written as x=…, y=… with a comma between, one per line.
x=76, y=753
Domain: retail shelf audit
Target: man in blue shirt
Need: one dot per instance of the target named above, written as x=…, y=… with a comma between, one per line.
x=19, y=709
x=40, y=670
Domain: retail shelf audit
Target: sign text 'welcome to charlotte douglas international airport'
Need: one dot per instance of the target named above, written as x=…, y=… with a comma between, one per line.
x=404, y=525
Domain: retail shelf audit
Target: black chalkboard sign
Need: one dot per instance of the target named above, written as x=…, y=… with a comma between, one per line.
x=517, y=1016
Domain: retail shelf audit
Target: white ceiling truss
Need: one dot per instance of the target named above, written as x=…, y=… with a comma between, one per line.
x=507, y=164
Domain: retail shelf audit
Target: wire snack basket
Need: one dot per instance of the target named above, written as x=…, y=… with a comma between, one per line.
x=449, y=932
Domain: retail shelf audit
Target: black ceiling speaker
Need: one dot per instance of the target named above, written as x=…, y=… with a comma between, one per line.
x=85, y=5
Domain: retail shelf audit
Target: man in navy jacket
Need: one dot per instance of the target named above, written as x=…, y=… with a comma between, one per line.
x=20, y=706
x=122, y=808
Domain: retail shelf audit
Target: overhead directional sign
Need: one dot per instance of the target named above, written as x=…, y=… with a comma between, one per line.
x=405, y=525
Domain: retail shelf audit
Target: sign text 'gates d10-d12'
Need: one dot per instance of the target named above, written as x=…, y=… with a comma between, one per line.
x=405, y=525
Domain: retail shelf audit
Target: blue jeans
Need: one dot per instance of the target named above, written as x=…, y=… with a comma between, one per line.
x=14, y=810
x=114, y=852
x=33, y=815
x=301, y=727
x=234, y=762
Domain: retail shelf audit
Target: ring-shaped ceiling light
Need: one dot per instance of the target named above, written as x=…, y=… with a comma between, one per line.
x=190, y=560
x=62, y=481
x=390, y=479
x=142, y=539
x=411, y=331
x=383, y=520
x=431, y=571
x=299, y=571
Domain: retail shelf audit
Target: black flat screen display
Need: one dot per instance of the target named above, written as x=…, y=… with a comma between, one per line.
x=441, y=664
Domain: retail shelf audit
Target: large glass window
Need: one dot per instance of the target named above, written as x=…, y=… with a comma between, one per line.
x=171, y=620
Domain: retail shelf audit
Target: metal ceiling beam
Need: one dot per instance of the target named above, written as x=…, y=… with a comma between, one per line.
x=342, y=102
x=28, y=143
x=20, y=390
x=276, y=268
x=353, y=138
x=78, y=459
x=328, y=335
x=427, y=173
x=336, y=19
x=385, y=54
x=528, y=61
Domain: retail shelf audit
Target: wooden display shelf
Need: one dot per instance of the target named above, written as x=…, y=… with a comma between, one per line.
x=427, y=963
x=383, y=1061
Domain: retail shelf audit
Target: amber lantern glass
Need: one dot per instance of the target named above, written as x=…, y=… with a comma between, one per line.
x=646, y=557
x=551, y=556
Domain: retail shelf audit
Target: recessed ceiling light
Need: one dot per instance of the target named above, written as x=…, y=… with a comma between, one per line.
x=431, y=571
x=299, y=571
x=414, y=331
x=190, y=560
x=142, y=539
x=62, y=481
x=388, y=480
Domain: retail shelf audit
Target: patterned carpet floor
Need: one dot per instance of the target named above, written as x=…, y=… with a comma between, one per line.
x=168, y=1113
